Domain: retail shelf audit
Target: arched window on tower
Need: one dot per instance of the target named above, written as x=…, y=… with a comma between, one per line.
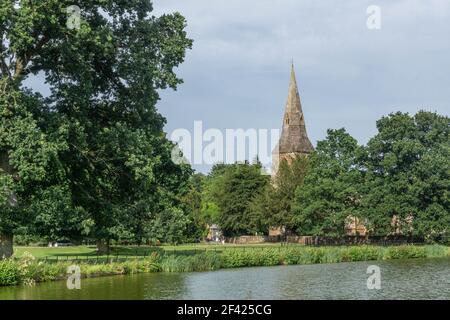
x=286, y=120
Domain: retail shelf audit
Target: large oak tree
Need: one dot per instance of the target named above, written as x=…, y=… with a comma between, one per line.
x=95, y=145
x=407, y=186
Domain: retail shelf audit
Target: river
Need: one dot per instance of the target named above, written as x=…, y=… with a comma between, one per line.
x=400, y=279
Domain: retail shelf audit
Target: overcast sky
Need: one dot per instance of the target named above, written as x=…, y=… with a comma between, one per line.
x=236, y=75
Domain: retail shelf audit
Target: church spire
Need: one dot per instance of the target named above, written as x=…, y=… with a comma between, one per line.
x=293, y=101
x=294, y=139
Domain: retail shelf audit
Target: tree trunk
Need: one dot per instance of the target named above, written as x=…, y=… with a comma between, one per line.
x=102, y=246
x=6, y=246
x=6, y=240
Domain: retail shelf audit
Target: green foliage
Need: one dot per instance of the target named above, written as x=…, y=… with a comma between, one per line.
x=233, y=188
x=408, y=176
x=25, y=238
x=28, y=156
x=92, y=158
x=330, y=192
x=42, y=272
x=210, y=190
x=201, y=262
x=397, y=184
x=362, y=253
x=57, y=217
x=168, y=226
x=435, y=251
x=313, y=255
x=150, y=264
x=273, y=206
x=9, y=273
x=405, y=252
x=197, y=228
x=250, y=257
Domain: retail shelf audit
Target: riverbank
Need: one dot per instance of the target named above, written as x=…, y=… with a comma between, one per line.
x=29, y=270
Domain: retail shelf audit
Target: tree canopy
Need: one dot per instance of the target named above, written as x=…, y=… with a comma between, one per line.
x=233, y=188
x=90, y=160
x=95, y=148
x=331, y=190
x=407, y=176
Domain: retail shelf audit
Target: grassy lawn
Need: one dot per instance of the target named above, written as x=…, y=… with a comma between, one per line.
x=42, y=252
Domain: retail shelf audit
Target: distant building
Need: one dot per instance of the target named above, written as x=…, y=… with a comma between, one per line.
x=354, y=227
x=214, y=233
x=402, y=226
x=277, y=231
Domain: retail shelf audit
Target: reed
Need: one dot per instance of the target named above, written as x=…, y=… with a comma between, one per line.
x=28, y=270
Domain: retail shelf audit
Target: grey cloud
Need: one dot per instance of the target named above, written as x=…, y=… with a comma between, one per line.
x=237, y=74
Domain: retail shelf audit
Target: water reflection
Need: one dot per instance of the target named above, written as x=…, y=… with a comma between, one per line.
x=148, y=286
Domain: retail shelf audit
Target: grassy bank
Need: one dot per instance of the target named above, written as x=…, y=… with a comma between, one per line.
x=29, y=270
x=43, y=252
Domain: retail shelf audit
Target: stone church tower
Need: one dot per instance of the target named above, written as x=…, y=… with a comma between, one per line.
x=294, y=140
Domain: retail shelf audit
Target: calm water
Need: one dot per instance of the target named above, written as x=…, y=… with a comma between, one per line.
x=406, y=279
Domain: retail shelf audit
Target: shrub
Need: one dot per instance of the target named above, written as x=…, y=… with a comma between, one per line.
x=270, y=257
x=153, y=262
x=435, y=251
x=404, y=252
x=234, y=258
x=199, y=262
x=363, y=253
x=206, y=262
x=40, y=271
x=9, y=273
x=311, y=255
x=333, y=255
x=92, y=270
x=291, y=256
